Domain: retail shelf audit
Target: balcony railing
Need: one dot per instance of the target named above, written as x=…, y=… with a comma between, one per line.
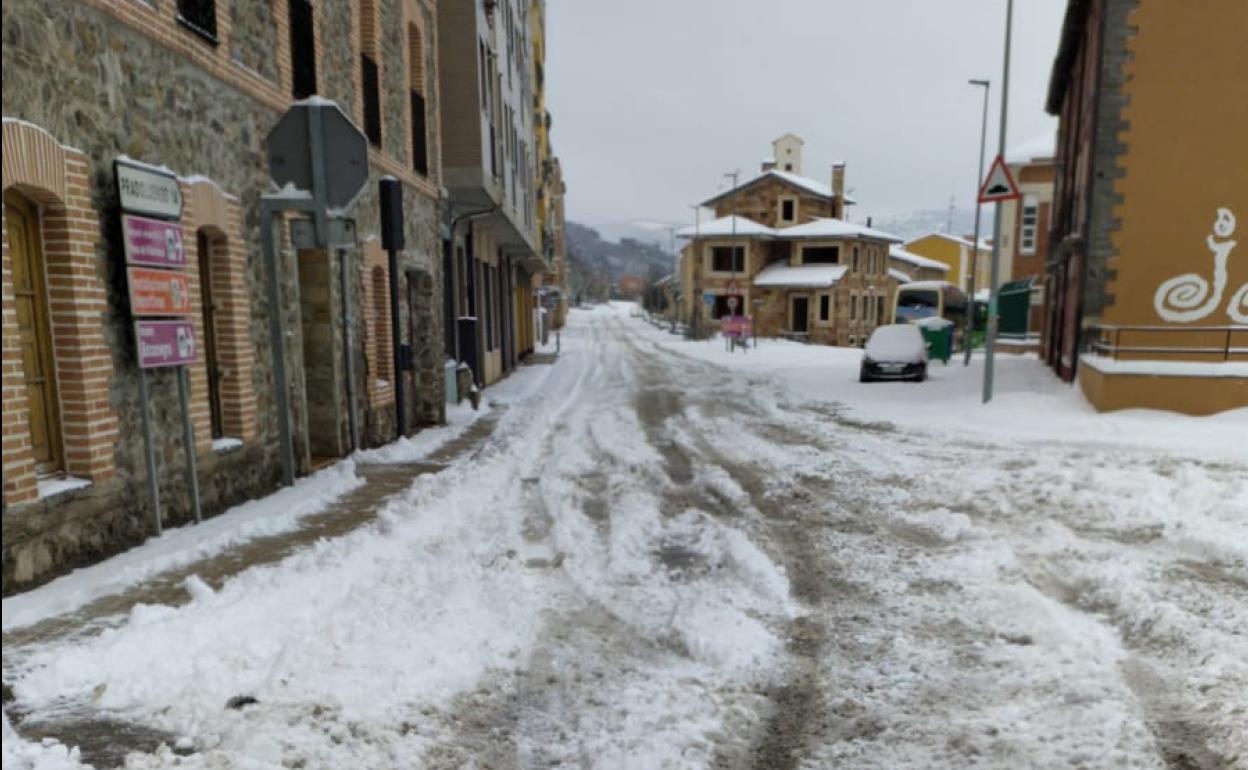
x=1213, y=343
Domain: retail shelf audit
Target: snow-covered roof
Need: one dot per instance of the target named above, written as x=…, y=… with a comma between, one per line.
x=899, y=276
x=724, y=227
x=1042, y=147
x=983, y=244
x=781, y=276
x=796, y=180
x=932, y=285
x=897, y=252
x=835, y=228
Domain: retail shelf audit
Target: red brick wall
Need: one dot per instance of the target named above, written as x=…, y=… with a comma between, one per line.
x=378, y=341
x=207, y=207
x=55, y=177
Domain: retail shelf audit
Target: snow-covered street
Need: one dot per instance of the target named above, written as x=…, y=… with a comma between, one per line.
x=653, y=554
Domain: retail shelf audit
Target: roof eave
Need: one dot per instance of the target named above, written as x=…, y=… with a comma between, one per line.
x=1072, y=33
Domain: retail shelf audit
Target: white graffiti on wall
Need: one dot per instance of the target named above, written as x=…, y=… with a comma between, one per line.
x=1189, y=297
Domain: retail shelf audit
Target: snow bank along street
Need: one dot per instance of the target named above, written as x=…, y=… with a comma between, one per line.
x=654, y=554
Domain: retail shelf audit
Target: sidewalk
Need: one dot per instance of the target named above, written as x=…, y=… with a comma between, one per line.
x=104, y=741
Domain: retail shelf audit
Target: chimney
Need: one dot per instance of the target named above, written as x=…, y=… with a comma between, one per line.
x=838, y=190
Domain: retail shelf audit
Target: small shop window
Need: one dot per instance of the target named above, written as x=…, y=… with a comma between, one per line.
x=728, y=259
x=199, y=16
x=821, y=255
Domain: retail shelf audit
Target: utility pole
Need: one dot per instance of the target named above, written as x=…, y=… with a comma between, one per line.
x=733, y=176
x=991, y=336
x=695, y=267
x=969, y=328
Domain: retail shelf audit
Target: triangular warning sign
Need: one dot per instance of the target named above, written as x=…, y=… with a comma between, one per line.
x=999, y=185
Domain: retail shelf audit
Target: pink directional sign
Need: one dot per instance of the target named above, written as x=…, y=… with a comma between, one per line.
x=152, y=242
x=165, y=343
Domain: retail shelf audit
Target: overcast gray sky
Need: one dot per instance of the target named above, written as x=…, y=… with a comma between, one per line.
x=653, y=100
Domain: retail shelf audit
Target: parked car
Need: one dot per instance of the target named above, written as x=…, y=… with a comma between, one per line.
x=894, y=352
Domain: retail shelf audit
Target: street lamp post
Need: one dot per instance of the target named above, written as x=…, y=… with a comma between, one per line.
x=695, y=254
x=991, y=336
x=970, y=316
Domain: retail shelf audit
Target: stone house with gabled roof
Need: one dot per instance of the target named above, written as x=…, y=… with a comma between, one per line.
x=781, y=252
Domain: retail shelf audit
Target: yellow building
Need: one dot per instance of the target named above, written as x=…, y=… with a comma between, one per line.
x=956, y=253
x=1147, y=293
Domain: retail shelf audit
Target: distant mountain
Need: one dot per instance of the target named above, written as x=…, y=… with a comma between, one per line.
x=643, y=231
x=595, y=263
x=923, y=221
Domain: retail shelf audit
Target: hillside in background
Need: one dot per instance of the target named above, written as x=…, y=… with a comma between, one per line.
x=595, y=263
x=923, y=221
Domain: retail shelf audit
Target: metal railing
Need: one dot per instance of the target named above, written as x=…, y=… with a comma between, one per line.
x=1231, y=341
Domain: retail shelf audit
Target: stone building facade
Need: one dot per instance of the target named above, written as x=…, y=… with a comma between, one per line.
x=89, y=81
x=1146, y=282
x=781, y=252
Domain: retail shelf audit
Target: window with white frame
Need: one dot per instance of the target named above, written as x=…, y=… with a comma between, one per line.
x=1027, y=227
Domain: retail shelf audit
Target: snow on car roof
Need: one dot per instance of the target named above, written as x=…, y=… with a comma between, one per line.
x=895, y=342
x=799, y=277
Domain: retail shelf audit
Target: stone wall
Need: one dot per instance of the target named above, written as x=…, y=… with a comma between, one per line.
x=759, y=203
x=96, y=80
x=1109, y=147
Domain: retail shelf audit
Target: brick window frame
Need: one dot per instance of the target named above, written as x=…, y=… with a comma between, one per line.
x=55, y=178
x=208, y=208
x=378, y=344
x=418, y=89
x=366, y=32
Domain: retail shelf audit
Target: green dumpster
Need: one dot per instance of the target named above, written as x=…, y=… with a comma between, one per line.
x=1014, y=308
x=938, y=334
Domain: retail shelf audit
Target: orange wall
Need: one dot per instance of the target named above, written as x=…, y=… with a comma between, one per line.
x=1186, y=158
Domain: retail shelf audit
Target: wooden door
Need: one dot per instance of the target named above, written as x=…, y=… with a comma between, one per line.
x=31, y=299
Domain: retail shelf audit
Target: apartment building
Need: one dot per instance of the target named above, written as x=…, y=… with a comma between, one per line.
x=492, y=257
x=187, y=90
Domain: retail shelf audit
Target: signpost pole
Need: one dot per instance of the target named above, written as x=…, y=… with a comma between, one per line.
x=277, y=342
x=991, y=333
x=153, y=488
x=968, y=333
x=188, y=437
x=352, y=424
